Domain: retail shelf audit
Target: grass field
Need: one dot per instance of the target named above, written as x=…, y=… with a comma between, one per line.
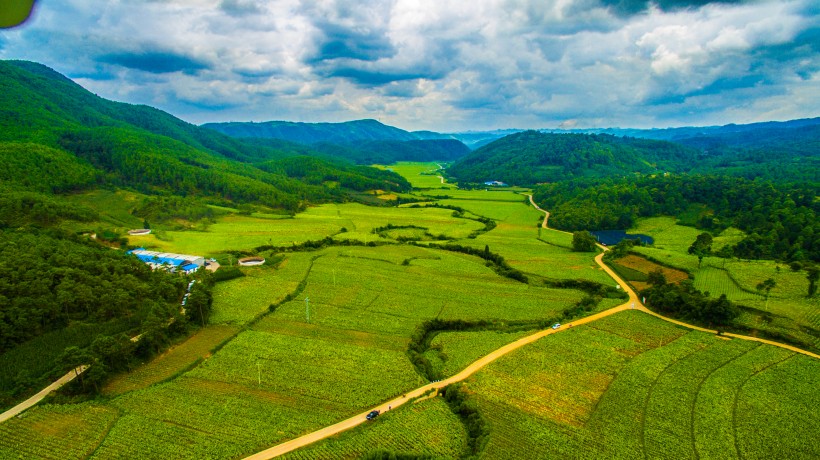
x=414, y=173
x=631, y=386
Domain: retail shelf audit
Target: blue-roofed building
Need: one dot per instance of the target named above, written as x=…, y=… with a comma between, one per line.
x=168, y=261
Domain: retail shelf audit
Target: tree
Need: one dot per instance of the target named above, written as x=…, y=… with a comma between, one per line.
x=813, y=274
x=767, y=286
x=583, y=241
x=701, y=247
x=656, y=278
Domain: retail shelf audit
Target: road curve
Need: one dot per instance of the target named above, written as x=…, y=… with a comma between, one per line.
x=632, y=303
x=468, y=371
x=14, y=411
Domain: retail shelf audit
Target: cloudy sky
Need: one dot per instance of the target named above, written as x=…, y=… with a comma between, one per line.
x=442, y=65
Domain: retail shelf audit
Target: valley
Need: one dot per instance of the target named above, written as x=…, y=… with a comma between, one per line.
x=406, y=273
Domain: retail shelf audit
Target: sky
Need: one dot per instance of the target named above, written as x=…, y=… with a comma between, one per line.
x=440, y=65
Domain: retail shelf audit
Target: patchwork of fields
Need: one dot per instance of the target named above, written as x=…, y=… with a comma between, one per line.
x=786, y=313
x=325, y=335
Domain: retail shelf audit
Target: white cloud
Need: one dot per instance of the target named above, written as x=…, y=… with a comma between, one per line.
x=437, y=64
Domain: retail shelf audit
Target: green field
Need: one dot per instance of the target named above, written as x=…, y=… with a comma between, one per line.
x=630, y=387
x=174, y=361
x=428, y=427
x=787, y=313
x=324, y=335
x=420, y=175
x=239, y=300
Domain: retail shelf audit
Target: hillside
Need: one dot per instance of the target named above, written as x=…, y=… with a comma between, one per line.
x=531, y=157
x=44, y=116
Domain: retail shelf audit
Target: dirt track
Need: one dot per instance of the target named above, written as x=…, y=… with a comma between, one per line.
x=632, y=303
x=42, y=394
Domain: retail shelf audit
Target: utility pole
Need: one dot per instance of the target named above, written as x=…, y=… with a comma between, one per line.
x=259, y=371
x=307, y=309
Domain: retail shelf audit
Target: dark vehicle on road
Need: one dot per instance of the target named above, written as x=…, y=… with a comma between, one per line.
x=372, y=415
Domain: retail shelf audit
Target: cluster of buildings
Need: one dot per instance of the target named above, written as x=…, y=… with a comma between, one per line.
x=168, y=261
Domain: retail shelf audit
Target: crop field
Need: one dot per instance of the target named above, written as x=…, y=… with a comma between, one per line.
x=239, y=300
x=450, y=352
x=636, y=270
x=428, y=427
x=413, y=172
x=477, y=195
x=239, y=232
x=384, y=297
x=788, y=312
x=56, y=432
x=630, y=386
x=172, y=362
x=667, y=234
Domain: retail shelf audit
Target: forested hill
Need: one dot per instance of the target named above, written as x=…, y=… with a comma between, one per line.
x=311, y=133
x=360, y=141
x=531, y=157
x=47, y=118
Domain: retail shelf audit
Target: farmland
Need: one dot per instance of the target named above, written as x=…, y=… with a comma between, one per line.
x=654, y=390
x=420, y=175
x=787, y=313
x=428, y=427
x=172, y=362
x=324, y=335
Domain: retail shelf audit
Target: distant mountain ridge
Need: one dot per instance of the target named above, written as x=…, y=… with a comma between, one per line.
x=360, y=141
x=313, y=133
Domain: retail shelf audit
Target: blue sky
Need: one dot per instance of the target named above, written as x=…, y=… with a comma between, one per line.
x=442, y=65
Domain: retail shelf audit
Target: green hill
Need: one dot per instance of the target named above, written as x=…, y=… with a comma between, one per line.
x=46, y=119
x=531, y=157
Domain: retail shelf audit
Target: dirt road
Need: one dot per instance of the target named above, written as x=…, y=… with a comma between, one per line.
x=14, y=411
x=632, y=303
x=468, y=371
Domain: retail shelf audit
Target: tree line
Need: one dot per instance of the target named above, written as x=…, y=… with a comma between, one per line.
x=780, y=220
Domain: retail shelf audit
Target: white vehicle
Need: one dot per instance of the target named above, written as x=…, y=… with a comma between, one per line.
x=556, y=325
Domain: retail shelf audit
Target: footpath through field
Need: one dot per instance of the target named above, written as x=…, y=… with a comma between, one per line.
x=632, y=303
x=14, y=411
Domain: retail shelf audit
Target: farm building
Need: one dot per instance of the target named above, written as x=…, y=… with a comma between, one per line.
x=173, y=262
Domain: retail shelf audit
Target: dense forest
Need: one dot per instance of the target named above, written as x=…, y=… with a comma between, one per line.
x=780, y=220
x=531, y=157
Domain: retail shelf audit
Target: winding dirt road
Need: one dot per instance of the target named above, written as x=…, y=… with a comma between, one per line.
x=632, y=303
x=14, y=411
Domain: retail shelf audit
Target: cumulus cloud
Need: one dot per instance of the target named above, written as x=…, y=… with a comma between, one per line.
x=440, y=64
